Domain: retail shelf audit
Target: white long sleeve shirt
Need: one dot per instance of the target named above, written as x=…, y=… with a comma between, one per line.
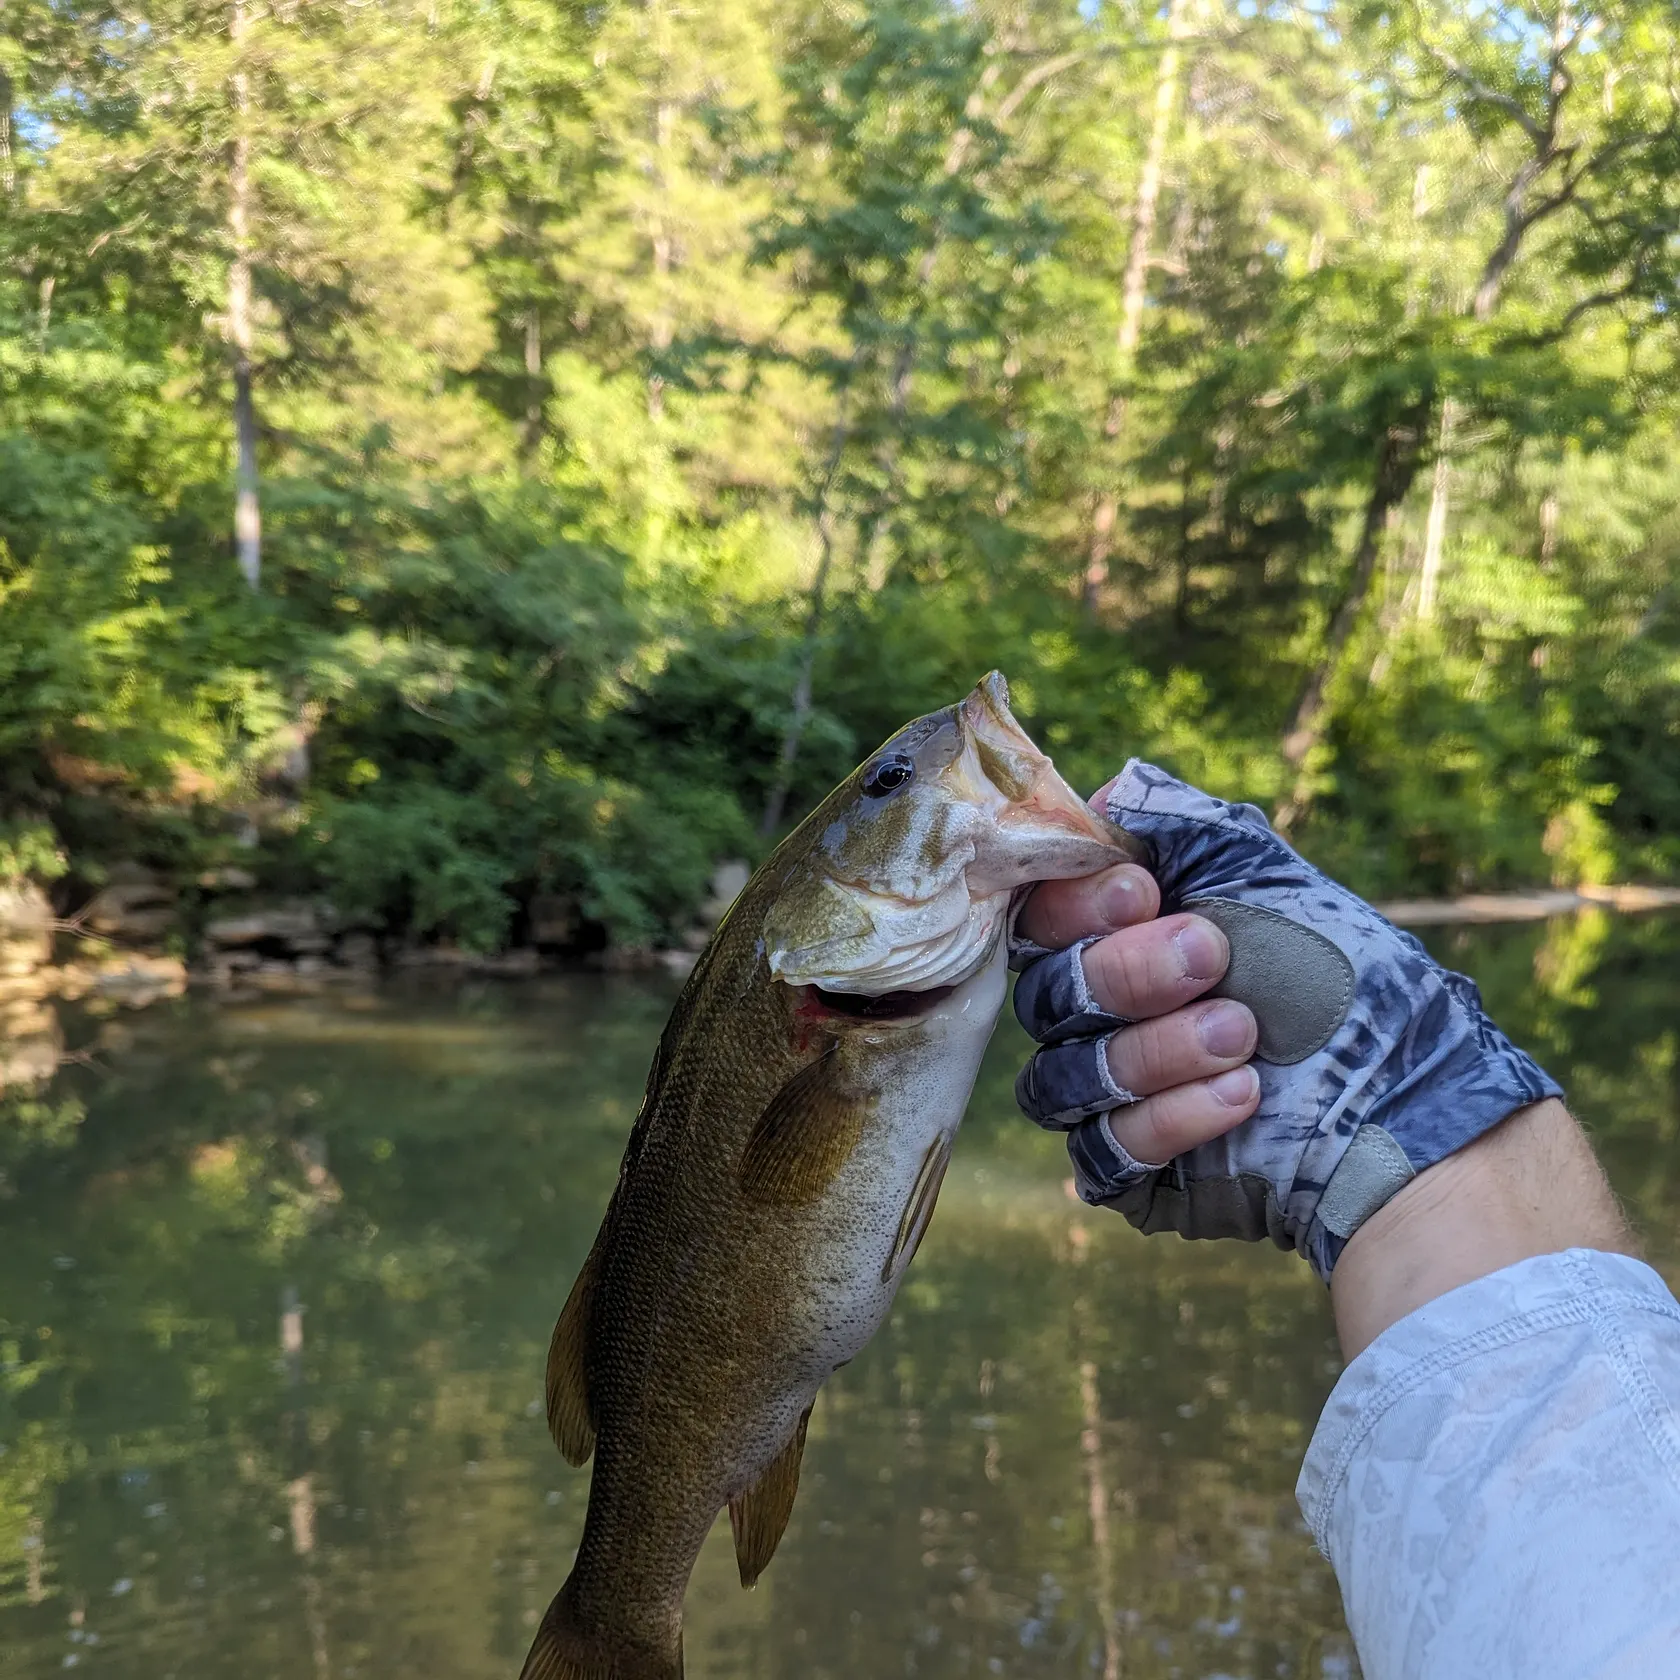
x=1496, y=1480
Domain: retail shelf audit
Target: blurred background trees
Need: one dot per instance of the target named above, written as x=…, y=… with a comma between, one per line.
x=630, y=413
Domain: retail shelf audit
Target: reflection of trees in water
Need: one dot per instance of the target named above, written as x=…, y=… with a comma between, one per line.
x=1090, y=1445
x=379, y=1482
x=1106, y=1404
x=1058, y=1453
x=141, y=1386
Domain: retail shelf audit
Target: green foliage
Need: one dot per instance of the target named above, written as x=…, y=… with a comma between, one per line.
x=29, y=851
x=614, y=365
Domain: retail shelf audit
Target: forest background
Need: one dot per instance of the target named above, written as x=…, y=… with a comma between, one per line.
x=454, y=454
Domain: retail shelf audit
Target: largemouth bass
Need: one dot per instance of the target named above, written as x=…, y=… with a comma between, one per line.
x=796, y=1127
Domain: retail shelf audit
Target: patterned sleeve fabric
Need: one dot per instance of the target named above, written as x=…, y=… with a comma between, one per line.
x=1414, y=1061
x=1496, y=1480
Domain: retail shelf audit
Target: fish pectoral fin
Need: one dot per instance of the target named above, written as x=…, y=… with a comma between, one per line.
x=567, y=1385
x=759, y=1516
x=805, y=1135
x=918, y=1211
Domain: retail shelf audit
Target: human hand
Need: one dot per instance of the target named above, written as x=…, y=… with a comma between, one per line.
x=1373, y=1062
x=1123, y=1030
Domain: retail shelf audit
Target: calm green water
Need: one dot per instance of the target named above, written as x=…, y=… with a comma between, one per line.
x=1071, y=1452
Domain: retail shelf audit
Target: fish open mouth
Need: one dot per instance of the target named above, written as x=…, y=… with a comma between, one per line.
x=888, y=1006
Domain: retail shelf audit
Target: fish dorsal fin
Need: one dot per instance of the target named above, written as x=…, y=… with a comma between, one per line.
x=918, y=1211
x=759, y=1516
x=569, y=1419
x=805, y=1135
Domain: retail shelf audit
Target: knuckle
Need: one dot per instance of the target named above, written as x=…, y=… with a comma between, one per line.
x=1141, y=1057
x=1127, y=972
x=1146, y=1132
x=1166, y=1123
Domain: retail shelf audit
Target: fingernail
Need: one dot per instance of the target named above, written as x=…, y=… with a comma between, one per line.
x=1201, y=949
x=1226, y=1029
x=1120, y=902
x=1236, y=1089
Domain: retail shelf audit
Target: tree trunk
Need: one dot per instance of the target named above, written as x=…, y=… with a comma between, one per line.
x=1398, y=457
x=1435, y=530
x=1181, y=591
x=532, y=439
x=664, y=119
x=1548, y=528
x=247, y=510
x=1133, y=287
x=8, y=173
x=776, y=802
x=659, y=339
x=1486, y=300
x=1136, y=280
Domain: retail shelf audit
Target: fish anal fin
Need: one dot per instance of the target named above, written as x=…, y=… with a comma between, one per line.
x=567, y=1384
x=805, y=1135
x=918, y=1210
x=562, y=1650
x=759, y=1517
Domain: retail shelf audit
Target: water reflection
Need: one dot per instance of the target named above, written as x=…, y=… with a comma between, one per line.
x=273, y=1318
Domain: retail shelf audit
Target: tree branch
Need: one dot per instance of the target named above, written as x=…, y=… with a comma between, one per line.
x=1481, y=92
x=1582, y=306
x=1039, y=74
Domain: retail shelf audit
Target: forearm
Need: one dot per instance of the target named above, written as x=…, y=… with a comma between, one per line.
x=1496, y=1477
x=1530, y=1186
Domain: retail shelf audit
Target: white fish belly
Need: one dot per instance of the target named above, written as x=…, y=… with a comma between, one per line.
x=850, y=1281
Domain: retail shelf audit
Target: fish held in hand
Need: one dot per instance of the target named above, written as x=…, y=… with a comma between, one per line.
x=784, y=1166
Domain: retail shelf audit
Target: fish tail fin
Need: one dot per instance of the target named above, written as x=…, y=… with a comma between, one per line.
x=565, y=1650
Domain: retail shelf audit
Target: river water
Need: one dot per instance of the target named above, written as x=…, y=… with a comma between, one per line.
x=276, y=1285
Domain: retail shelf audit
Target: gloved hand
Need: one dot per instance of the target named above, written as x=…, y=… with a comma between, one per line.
x=1374, y=1061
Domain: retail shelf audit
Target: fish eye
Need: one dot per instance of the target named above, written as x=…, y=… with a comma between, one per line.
x=887, y=776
